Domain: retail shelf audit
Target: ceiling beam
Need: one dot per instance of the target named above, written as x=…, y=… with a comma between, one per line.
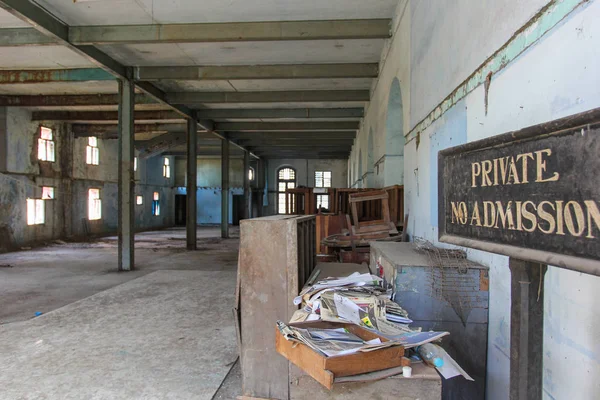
x=49, y=25
x=233, y=72
x=191, y=98
x=24, y=37
x=276, y=113
x=286, y=126
x=102, y=115
x=54, y=75
x=295, y=142
x=160, y=144
x=69, y=100
x=232, y=32
x=302, y=113
x=292, y=135
x=199, y=98
x=111, y=131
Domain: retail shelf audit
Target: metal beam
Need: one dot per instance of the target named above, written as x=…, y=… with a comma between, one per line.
x=276, y=113
x=54, y=75
x=52, y=27
x=111, y=131
x=232, y=32
x=302, y=113
x=288, y=96
x=292, y=135
x=69, y=100
x=225, y=189
x=160, y=144
x=190, y=98
x=192, y=184
x=233, y=72
x=296, y=142
x=102, y=115
x=126, y=193
x=24, y=37
x=286, y=126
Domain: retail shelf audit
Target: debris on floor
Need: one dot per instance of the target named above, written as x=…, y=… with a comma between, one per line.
x=354, y=315
x=5, y=266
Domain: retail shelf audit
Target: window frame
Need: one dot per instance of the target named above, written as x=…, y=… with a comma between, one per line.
x=156, y=204
x=92, y=151
x=46, y=145
x=323, y=179
x=166, y=168
x=287, y=183
x=34, y=218
x=94, y=205
x=251, y=174
x=50, y=189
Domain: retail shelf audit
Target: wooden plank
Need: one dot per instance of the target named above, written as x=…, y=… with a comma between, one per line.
x=360, y=363
x=305, y=358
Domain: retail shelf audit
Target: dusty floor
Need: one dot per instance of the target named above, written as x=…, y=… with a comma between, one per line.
x=46, y=279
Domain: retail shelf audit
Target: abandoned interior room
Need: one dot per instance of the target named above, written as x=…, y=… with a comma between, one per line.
x=299, y=200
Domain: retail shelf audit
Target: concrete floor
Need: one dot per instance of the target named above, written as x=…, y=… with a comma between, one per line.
x=166, y=334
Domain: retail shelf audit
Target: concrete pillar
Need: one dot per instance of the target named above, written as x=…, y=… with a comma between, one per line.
x=224, y=188
x=247, y=211
x=192, y=186
x=126, y=176
x=526, y=329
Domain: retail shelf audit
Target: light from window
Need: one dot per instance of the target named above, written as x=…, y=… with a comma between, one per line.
x=323, y=201
x=46, y=145
x=156, y=204
x=287, y=174
x=94, y=205
x=35, y=212
x=166, y=168
x=139, y=200
x=323, y=179
x=47, y=192
x=135, y=163
x=92, y=153
x=286, y=180
x=251, y=174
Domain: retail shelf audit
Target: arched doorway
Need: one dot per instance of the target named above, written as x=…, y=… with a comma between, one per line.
x=394, y=138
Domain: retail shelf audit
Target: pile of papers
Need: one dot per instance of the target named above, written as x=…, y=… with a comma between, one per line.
x=362, y=300
x=330, y=342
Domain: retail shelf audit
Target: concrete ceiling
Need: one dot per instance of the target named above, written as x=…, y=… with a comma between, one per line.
x=134, y=12
x=320, y=46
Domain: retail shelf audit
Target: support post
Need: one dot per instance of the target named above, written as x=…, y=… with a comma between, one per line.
x=192, y=186
x=247, y=211
x=126, y=175
x=526, y=329
x=224, y=188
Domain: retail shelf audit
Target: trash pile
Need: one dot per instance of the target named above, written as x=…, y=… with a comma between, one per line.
x=362, y=300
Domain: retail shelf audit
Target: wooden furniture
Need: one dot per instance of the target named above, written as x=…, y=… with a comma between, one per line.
x=326, y=369
x=277, y=255
x=303, y=201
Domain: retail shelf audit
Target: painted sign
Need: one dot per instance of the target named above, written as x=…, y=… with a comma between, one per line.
x=533, y=194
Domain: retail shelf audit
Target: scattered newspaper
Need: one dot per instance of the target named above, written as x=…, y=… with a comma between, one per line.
x=330, y=342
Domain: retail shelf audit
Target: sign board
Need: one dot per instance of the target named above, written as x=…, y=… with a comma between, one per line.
x=532, y=194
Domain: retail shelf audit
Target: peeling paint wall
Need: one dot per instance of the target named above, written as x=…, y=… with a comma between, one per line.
x=22, y=176
x=437, y=46
x=208, y=198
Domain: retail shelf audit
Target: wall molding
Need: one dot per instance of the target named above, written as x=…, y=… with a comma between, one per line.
x=541, y=23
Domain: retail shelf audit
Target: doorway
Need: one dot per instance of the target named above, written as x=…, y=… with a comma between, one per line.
x=237, y=209
x=180, y=209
